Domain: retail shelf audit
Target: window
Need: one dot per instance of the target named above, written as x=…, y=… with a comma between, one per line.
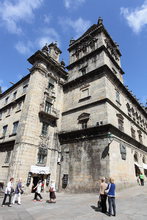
x=123, y=151
x=19, y=106
x=0, y=115
x=51, y=84
x=117, y=96
x=5, y=130
x=7, y=159
x=6, y=100
x=15, y=125
x=48, y=106
x=84, y=93
x=44, y=128
x=8, y=111
x=83, y=71
x=83, y=120
x=120, y=122
x=14, y=95
x=140, y=136
x=25, y=88
x=133, y=133
x=136, y=157
x=42, y=155
x=84, y=124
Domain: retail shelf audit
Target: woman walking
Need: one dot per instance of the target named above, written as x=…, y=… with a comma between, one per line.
x=38, y=191
x=52, y=191
x=8, y=192
x=111, y=197
x=103, y=195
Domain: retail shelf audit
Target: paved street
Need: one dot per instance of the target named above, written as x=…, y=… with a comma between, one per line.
x=131, y=205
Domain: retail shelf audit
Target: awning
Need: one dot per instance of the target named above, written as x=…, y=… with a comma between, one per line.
x=137, y=164
x=145, y=166
x=39, y=170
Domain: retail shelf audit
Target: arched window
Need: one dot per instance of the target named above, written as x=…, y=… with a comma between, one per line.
x=83, y=120
x=136, y=157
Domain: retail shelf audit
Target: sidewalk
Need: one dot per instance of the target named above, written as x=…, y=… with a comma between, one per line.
x=131, y=205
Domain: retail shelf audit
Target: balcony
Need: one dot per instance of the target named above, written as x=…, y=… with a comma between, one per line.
x=50, y=114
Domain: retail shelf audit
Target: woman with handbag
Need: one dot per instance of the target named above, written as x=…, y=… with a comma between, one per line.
x=52, y=191
x=103, y=195
x=18, y=192
x=8, y=192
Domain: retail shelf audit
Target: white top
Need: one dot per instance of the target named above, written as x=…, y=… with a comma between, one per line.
x=8, y=188
x=39, y=188
x=52, y=185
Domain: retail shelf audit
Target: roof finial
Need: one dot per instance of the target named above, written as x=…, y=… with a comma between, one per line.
x=100, y=21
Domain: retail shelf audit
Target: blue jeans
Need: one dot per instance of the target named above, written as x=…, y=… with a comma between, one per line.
x=111, y=201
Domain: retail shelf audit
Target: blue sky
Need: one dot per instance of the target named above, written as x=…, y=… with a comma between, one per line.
x=26, y=25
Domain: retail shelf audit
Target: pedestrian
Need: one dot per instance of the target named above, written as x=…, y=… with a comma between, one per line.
x=103, y=195
x=8, y=192
x=18, y=192
x=52, y=191
x=141, y=177
x=111, y=197
x=38, y=191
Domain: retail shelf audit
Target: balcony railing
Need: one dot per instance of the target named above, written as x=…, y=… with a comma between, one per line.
x=51, y=113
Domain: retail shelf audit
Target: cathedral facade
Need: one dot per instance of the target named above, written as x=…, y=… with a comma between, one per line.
x=73, y=126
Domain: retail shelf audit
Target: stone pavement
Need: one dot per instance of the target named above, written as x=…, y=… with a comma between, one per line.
x=131, y=205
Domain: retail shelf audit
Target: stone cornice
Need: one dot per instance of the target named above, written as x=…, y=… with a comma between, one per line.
x=15, y=85
x=99, y=102
x=96, y=133
x=91, y=54
x=108, y=72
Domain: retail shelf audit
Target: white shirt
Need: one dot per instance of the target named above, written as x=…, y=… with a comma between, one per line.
x=8, y=188
x=39, y=188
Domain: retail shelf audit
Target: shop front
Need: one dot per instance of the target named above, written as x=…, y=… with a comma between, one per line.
x=38, y=173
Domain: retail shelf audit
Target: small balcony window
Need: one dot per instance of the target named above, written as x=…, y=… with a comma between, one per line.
x=48, y=106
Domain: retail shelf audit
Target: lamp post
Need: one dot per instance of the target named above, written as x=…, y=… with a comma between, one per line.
x=110, y=137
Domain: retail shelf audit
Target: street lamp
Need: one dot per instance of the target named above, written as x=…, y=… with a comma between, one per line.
x=110, y=137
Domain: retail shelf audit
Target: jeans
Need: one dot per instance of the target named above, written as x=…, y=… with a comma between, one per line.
x=18, y=196
x=5, y=197
x=111, y=201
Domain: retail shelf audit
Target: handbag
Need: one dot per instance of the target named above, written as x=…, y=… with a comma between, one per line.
x=21, y=192
x=51, y=189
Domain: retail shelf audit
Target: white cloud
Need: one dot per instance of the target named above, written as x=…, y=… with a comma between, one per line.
x=79, y=26
x=48, y=35
x=24, y=48
x=73, y=3
x=14, y=11
x=136, y=18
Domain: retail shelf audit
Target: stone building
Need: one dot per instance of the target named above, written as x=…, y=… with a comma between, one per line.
x=73, y=127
